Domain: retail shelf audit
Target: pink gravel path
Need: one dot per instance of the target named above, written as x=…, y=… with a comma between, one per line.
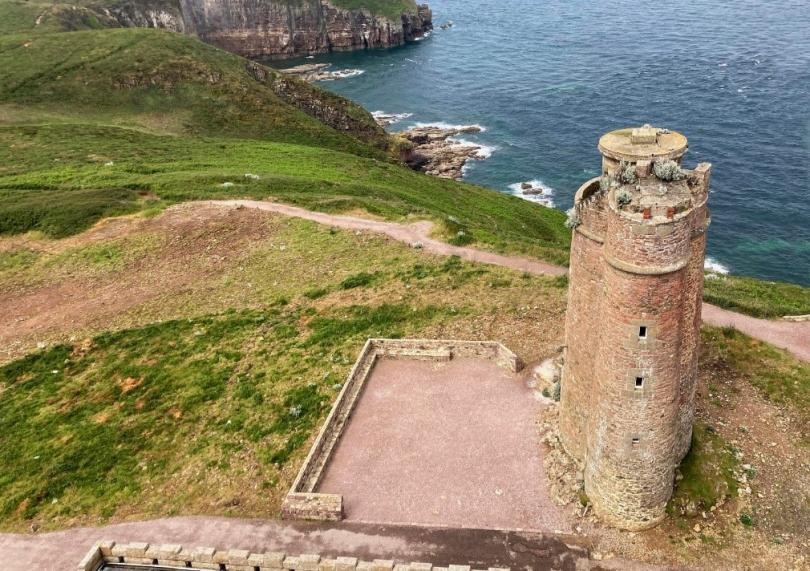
x=452, y=444
x=795, y=337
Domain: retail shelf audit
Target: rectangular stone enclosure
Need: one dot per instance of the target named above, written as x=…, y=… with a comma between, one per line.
x=430, y=433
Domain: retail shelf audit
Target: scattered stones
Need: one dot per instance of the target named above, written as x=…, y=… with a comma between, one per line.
x=530, y=188
x=447, y=25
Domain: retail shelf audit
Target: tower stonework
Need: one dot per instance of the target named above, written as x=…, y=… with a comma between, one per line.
x=633, y=323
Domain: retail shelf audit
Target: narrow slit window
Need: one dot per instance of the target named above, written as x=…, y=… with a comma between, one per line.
x=639, y=383
x=642, y=332
x=636, y=440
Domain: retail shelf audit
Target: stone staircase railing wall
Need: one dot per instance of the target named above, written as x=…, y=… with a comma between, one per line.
x=170, y=557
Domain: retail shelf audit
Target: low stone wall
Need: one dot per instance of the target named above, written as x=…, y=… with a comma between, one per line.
x=179, y=557
x=302, y=502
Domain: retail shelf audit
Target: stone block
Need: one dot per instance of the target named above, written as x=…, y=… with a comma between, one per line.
x=119, y=550
x=458, y=567
x=170, y=551
x=140, y=560
x=308, y=562
x=363, y=566
x=237, y=557
x=345, y=563
x=272, y=560
x=382, y=565
x=92, y=560
x=421, y=566
x=318, y=507
x=643, y=169
x=203, y=554
x=136, y=549
x=290, y=563
x=326, y=565
x=105, y=546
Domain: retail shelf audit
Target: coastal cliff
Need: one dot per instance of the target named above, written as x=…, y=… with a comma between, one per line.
x=261, y=28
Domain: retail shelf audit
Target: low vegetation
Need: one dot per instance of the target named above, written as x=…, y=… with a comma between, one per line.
x=391, y=9
x=757, y=297
x=192, y=407
x=706, y=476
x=779, y=376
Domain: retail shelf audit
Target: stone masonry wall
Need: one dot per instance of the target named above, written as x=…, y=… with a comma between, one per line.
x=632, y=338
x=179, y=557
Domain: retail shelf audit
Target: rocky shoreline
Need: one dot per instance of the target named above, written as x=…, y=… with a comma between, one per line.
x=436, y=150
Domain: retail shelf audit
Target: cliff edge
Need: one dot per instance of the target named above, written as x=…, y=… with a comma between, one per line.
x=281, y=28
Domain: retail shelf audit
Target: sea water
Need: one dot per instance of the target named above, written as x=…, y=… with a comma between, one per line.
x=546, y=78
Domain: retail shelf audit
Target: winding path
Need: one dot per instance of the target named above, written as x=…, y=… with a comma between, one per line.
x=795, y=337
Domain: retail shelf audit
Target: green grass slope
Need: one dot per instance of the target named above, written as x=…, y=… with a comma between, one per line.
x=94, y=123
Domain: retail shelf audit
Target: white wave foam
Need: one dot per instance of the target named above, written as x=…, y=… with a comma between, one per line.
x=391, y=118
x=712, y=265
x=541, y=192
x=483, y=151
x=443, y=125
x=346, y=73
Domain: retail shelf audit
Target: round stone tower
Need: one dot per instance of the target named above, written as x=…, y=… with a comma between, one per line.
x=633, y=322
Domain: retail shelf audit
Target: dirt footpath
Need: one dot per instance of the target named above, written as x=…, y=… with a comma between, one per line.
x=795, y=337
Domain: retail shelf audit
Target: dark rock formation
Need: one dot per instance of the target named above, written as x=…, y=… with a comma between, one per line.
x=329, y=108
x=266, y=28
x=434, y=150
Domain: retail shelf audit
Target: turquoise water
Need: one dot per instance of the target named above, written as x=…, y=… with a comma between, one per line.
x=547, y=78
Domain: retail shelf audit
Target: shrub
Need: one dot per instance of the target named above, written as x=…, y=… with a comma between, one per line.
x=623, y=198
x=573, y=219
x=668, y=170
x=747, y=519
x=357, y=280
x=627, y=173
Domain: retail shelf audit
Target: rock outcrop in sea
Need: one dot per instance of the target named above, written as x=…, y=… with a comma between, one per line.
x=436, y=150
x=268, y=28
x=320, y=72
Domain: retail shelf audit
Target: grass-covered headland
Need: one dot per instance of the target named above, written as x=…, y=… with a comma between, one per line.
x=130, y=117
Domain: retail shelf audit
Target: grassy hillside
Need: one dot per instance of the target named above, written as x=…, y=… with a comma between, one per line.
x=130, y=116
x=204, y=400
x=757, y=297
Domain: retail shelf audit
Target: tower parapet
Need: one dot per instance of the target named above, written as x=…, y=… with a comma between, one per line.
x=633, y=320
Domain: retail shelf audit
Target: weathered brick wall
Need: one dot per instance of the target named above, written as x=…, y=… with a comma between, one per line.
x=580, y=331
x=627, y=399
x=177, y=556
x=630, y=459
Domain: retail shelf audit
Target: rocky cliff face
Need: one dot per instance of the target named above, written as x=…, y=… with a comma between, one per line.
x=265, y=28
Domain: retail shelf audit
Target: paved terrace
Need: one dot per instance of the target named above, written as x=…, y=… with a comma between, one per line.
x=452, y=443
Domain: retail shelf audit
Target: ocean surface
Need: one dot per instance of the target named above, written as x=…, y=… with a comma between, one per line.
x=546, y=79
